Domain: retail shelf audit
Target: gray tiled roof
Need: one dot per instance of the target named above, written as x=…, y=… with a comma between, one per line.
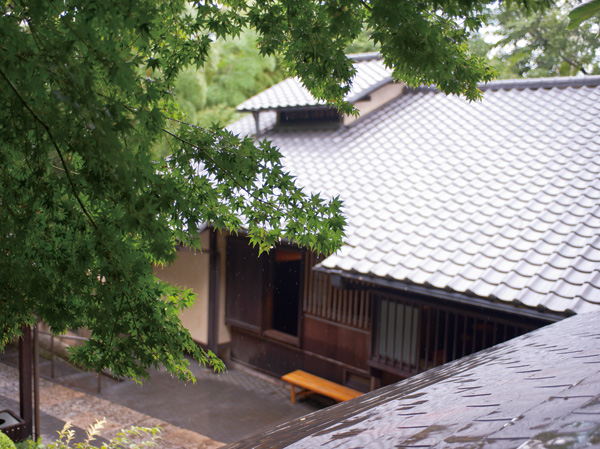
x=370, y=74
x=498, y=199
x=246, y=126
x=540, y=390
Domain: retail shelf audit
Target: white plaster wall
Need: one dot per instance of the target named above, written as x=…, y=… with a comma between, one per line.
x=378, y=98
x=224, y=334
x=191, y=270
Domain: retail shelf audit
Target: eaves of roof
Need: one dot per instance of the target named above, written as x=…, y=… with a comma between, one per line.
x=370, y=90
x=371, y=74
x=454, y=297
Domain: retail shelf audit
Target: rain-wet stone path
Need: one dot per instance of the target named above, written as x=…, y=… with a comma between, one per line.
x=224, y=407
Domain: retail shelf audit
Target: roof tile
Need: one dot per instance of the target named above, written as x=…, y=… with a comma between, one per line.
x=499, y=199
x=290, y=93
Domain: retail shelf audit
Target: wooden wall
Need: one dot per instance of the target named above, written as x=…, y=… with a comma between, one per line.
x=333, y=339
x=328, y=350
x=350, y=332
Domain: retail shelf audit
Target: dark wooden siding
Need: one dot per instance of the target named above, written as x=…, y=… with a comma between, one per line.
x=342, y=343
x=245, y=275
x=349, y=331
x=276, y=358
x=334, y=338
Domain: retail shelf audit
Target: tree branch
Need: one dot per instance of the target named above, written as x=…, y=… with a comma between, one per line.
x=56, y=146
x=181, y=139
x=574, y=64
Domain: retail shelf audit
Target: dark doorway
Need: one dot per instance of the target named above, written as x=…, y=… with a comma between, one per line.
x=287, y=279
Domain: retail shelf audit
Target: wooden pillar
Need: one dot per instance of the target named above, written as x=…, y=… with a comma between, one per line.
x=36, y=383
x=25, y=378
x=213, y=294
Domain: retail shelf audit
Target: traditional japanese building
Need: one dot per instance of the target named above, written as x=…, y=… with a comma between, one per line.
x=469, y=223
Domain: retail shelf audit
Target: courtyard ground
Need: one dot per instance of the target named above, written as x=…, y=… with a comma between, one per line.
x=216, y=410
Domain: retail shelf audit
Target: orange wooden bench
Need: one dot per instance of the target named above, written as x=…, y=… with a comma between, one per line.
x=314, y=384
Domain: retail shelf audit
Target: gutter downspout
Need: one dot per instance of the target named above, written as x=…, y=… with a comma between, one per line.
x=25, y=380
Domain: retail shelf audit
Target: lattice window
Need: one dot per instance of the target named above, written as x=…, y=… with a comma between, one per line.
x=398, y=332
x=412, y=336
x=349, y=306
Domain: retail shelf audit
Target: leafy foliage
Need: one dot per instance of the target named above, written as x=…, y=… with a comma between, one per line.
x=234, y=71
x=133, y=438
x=89, y=88
x=425, y=42
x=362, y=43
x=539, y=43
x=583, y=12
x=6, y=442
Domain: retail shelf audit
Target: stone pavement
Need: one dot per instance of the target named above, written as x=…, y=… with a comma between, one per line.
x=60, y=404
x=216, y=410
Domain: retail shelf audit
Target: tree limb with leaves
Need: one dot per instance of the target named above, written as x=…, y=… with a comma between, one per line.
x=583, y=12
x=538, y=43
x=86, y=210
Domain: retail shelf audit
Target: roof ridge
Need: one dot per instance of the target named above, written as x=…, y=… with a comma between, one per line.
x=366, y=56
x=528, y=83
x=533, y=83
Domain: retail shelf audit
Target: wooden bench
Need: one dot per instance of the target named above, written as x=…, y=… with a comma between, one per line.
x=315, y=384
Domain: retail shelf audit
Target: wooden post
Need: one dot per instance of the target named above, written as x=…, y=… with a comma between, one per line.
x=52, y=355
x=25, y=374
x=256, y=116
x=213, y=293
x=36, y=383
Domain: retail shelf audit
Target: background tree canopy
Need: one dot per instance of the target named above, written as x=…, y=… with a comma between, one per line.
x=234, y=71
x=89, y=88
x=538, y=43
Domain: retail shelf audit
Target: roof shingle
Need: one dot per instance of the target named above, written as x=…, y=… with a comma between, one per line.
x=371, y=74
x=496, y=199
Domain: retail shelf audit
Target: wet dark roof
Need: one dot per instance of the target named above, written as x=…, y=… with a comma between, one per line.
x=539, y=390
x=497, y=200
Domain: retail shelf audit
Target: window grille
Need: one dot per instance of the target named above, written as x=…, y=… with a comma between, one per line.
x=411, y=336
x=349, y=306
x=399, y=324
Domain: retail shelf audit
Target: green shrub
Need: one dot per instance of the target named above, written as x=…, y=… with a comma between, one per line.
x=30, y=444
x=5, y=442
x=132, y=438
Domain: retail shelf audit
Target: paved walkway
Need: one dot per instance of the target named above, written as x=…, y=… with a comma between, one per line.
x=216, y=410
